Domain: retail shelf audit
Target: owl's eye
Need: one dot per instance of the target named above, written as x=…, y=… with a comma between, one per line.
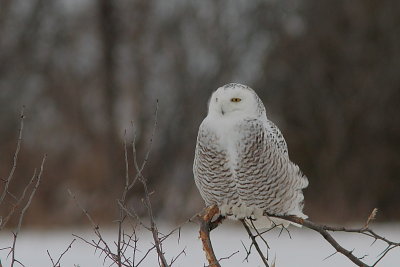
x=236, y=99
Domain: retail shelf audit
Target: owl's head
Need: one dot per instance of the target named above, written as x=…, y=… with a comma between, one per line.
x=235, y=99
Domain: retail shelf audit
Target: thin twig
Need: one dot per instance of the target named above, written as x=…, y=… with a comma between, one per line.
x=62, y=254
x=248, y=251
x=19, y=201
x=72, y=195
x=28, y=203
x=124, y=241
x=51, y=259
x=15, y=159
x=121, y=211
x=254, y=242
x=174, y=259
x=146, y=158
x=153, y=226
x=104, y=248
x=230, y=256
x=258, y=234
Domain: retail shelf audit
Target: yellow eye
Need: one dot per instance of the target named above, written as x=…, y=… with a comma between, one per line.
x=236, y=99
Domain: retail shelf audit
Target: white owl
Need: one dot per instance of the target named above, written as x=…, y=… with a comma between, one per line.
x=241, y=161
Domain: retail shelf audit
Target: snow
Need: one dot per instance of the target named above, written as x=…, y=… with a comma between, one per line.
x=303, y=248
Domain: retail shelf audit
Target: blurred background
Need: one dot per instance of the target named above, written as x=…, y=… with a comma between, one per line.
x=327, y=71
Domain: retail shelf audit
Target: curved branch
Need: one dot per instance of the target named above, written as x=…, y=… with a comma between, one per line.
x=206, y=225
x=204, y=219
x=323, y=230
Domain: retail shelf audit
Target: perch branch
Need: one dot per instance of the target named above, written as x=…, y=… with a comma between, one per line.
x=324, y=231
x=206, y=225
x=204, y=219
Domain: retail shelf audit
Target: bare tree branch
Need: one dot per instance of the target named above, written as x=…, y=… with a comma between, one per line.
x=124, y=241
x=101, y=244
x=254, y=242
x=57, y=263
x=204, y=220
x=19, y=201
x=177, y=256
x=324, y=231
x=228, y=257
x=21, y=216
x=15, y=159
x=146, y=158
x=147, y=201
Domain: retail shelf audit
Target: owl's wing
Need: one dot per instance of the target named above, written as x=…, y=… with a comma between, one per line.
x=211, y=168
x=276, y=136
x=266, y=178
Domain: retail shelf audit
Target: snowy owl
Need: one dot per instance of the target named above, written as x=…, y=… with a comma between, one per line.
x=241, y=161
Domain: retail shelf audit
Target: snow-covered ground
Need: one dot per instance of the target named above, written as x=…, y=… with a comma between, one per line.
x=304, y=248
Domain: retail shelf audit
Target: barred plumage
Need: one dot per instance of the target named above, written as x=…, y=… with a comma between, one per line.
x=242, y=162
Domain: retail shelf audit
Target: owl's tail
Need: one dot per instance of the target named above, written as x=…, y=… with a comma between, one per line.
x=265, y=222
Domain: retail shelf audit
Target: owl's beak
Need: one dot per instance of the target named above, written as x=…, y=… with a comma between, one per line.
x=222, y=111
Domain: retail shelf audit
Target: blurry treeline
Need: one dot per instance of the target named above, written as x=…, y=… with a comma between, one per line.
x=328, y=72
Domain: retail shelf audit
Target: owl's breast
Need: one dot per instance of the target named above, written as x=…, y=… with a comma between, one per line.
x=212, y=167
